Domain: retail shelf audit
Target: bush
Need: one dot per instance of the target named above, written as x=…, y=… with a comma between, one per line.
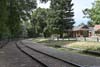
x=57, y=46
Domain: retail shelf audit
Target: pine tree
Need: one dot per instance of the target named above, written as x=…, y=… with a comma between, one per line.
x=64, y=13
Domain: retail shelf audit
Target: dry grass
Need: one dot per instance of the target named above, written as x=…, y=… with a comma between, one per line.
x=85, y=45
x=71, y=44
x=56, y=43
x=39, y=39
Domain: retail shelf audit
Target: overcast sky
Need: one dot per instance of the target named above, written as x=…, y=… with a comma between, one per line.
x=79, y=5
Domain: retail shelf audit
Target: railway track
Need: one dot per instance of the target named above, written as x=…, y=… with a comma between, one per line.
x=43, y=58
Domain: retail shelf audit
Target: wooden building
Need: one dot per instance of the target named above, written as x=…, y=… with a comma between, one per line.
x=97, y=30
x=80, y=31
x=83, y=31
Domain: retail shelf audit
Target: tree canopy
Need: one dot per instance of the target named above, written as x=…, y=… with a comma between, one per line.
x=3, y=18
x=11, y=14
x=64, y=15
x=94, y=13
x=15, y=13
x=55, y=20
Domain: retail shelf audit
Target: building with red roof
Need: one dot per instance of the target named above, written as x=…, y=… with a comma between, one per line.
x=97, y=27
x=97, y=30
x=84, y=31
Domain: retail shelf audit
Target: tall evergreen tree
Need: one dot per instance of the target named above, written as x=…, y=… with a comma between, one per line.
x=64, y=13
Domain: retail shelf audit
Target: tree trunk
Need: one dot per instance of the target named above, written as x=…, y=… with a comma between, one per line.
x=61, y=35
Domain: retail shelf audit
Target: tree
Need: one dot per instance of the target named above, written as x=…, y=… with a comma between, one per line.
x=55, y=20
x=12, y=14
x=3, y=19
x=94, y=13
x=39, y=18
x=15, y=12
x=64, y=13
x=19, y=10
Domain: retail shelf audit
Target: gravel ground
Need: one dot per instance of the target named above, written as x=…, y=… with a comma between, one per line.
x=47, y=60
x=65, y=55
x=11, y=56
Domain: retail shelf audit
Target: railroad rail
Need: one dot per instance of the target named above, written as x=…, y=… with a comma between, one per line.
x=45, y=59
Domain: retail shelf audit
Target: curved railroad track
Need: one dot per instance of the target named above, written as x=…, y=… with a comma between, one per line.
x=43, y=58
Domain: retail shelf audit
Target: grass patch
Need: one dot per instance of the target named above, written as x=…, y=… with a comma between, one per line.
x=95, y=46
x=85, y=45
x=56, y=43
x=40, y=39
x=59, y=44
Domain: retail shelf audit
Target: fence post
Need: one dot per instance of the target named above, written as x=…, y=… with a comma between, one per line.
x=97, y=39
x=76, y=39
x=84, y=38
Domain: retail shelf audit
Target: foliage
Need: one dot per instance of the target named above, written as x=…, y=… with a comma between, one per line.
x=19, y=10
x=12, y=14
x=56, y=20
x=38, y=21
x=15, y=13
x=93, y=13
x=64, y=13
x=3, y=19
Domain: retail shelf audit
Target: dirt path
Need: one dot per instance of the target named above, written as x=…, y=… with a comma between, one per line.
x=11, y=56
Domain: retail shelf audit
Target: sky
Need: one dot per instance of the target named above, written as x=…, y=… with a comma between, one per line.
x=79, y=5
x=44, y=5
